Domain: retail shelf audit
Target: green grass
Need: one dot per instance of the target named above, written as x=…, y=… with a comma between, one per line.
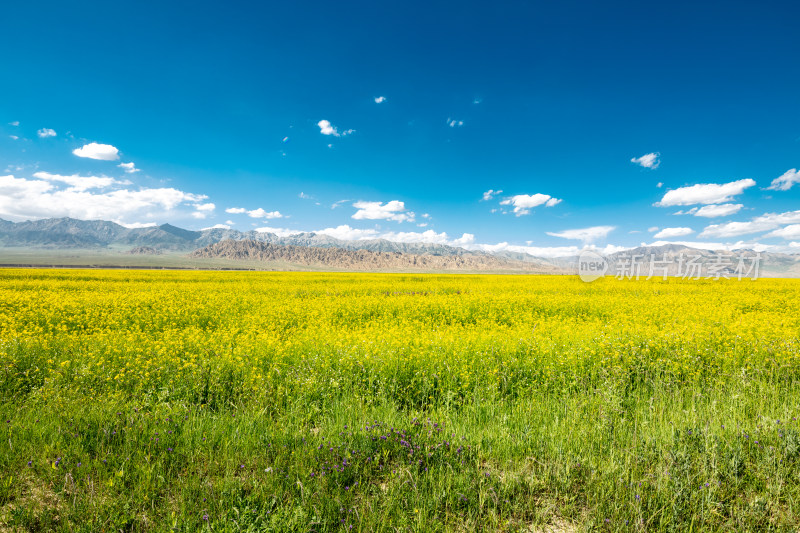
x=611, y=459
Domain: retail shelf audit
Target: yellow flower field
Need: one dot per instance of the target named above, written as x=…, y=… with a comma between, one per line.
x=252, y=401
x=218, y=336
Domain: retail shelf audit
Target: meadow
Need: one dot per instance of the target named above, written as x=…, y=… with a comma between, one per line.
x=254, y=401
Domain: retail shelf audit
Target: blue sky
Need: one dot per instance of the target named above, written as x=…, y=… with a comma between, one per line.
x=404, y=115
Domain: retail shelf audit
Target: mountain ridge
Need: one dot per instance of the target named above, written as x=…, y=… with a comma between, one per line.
x=74, y=234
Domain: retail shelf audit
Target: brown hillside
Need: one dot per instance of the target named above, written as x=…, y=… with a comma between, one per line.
x=359, y=259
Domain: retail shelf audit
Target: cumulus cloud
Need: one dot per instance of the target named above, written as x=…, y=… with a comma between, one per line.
x=586, y=235
x=129, y=168
x=103, y=152
x=523, y=203
x=236, y=210
x=453, y=122
x=552, y=201
x=785, y=182
x=393, y=210
x=205, y=207
x=326, y=128
x=669, y=233
x=261, y=213
x=45, y=197
x=346, y=233
x=705, y=193
x=380, y=99
x=428, y=236
x=765, y=222
x=491, y=193
x=46, y=132
x=650, y=160
x=789, y=232
x=14, y=137
x=78, y=183
x=720, y=210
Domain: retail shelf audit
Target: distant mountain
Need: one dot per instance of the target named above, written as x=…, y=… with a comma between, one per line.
x=73, y=233
x=70, y=233
x=60, y=232
x=356, y=259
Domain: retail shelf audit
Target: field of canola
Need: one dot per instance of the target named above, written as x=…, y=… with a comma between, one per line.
x=150, y=401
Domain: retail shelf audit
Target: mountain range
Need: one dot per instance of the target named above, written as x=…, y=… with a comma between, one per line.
x=73, y=233
x=87, y=236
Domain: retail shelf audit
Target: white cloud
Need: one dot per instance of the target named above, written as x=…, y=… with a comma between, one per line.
x=138, y=225
x=465, y=239
x=129, y=168
x=22, y=199
x=650, y=160
x=705, y=193
x=584, y=234
x=544, y=251
x=428, y=236
x=337, y=203
x=305, y=196
x=660, y=184
x=765, y=222
x=380, y=99
x=491, y=193
x=789, y=232
x=524, y=202
x=326, y=128
x=217, y=226
x=15, y=123
x=669, y=233
x=103, y=152
x=46, y=132
x=205, y=207
x=345, y=232
x=260, y=213
x=236, y=210
x=453, y=122
x=552, y=201
x=719, y=210
x=14, y=137
x=652, y=229
x=785, y=182
x=393, y=210
x=76, y=182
